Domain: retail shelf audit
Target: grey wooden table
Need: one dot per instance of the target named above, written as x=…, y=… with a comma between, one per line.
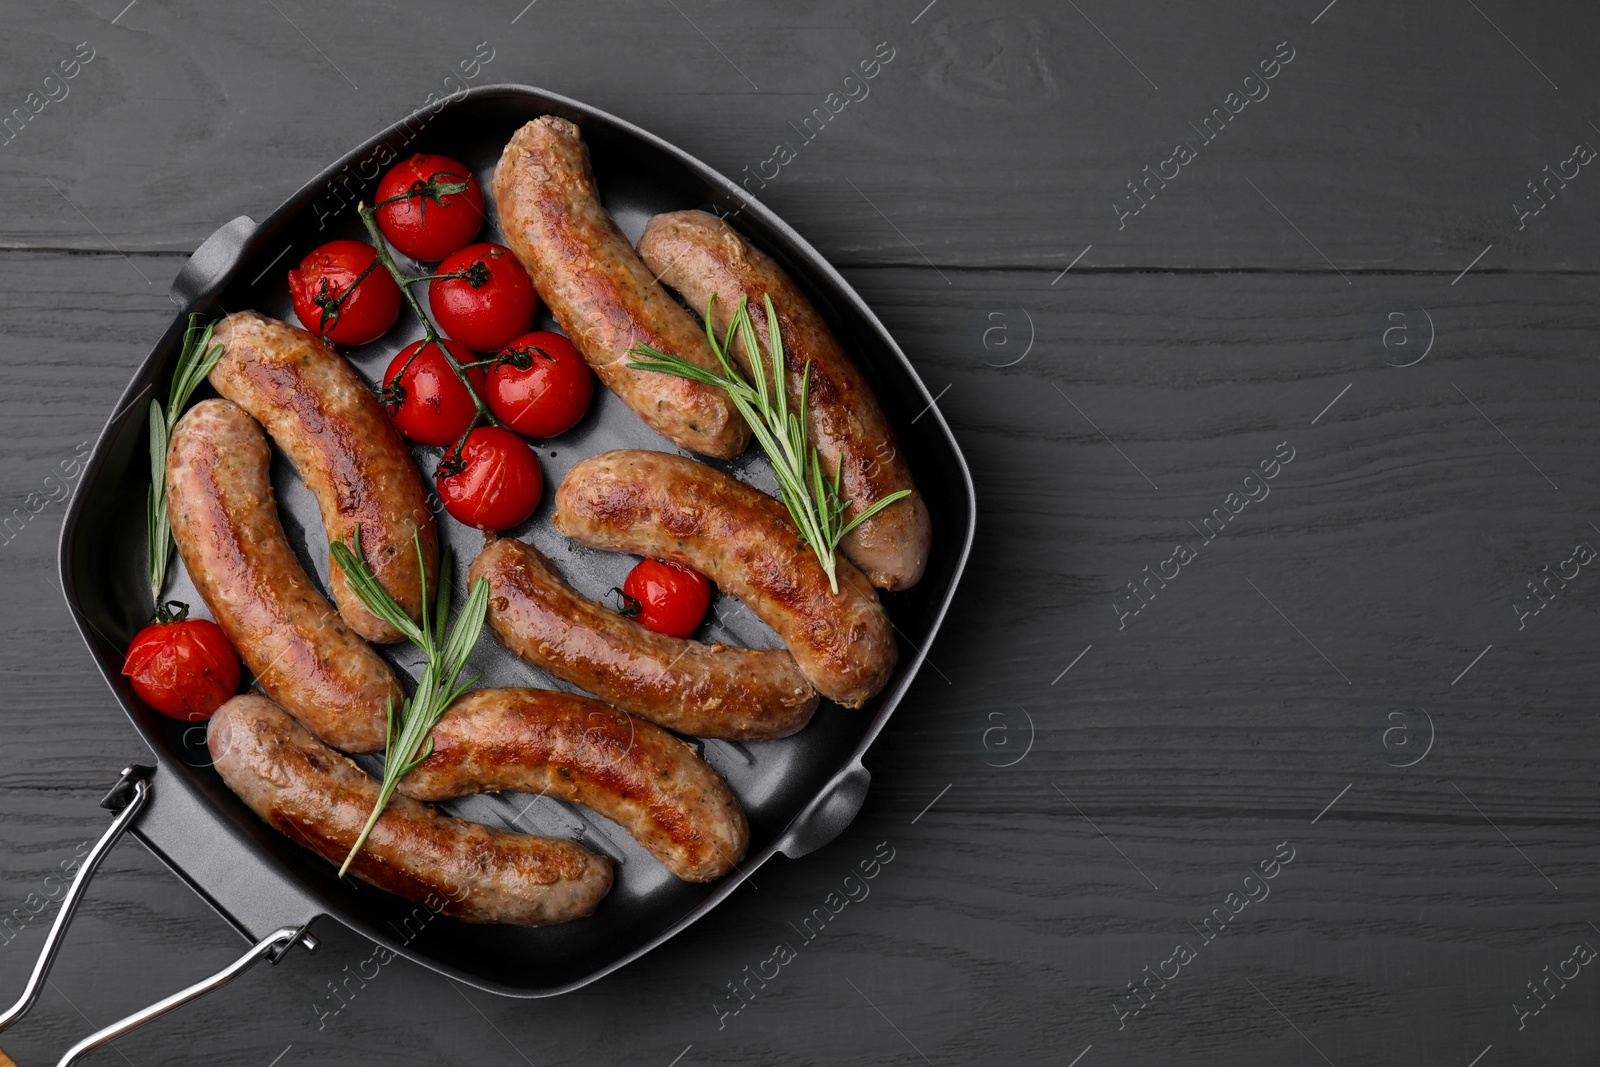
x=1371, y=265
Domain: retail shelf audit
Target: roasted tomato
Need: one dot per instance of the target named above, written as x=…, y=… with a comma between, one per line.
x=490, y=305
x=343, y=293
x=541, y=386
x=425, y=398
x=429, y=206
x=493, y=483
x=667, y=597
x=185, y=668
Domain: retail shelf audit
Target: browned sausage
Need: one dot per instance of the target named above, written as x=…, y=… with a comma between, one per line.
x=637, y=775
x=688, y=686
x=603, y=297
x=320, y=800
x=320, y=412
x=220, y=503
x=700, y=255
x=656, y=504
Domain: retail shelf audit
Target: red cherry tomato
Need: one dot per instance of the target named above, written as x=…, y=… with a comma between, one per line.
x=425, y=398
x=490, y=307
x=184, y=668
x=671, y=598
x=420, y=219
x=543, y=387
x=494, y=483
x=318, y=285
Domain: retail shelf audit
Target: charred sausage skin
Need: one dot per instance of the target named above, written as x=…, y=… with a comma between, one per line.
x=225, y=523
x=347, y=450
x=320, y=800
x=563, y=745
x=699, y=255
x=656, y=504
x=602, y=295
x=709, y=690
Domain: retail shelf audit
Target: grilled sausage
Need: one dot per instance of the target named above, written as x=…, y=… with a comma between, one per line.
x=635, y=774
x=320, y=800
x=656, y=504
x=687, y=686
x=220, y=503
x=700, y=255
x=320, y=412
x=603, y=297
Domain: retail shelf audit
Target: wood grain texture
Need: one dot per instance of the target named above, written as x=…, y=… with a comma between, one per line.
x=997, y=136
x=1102, y=412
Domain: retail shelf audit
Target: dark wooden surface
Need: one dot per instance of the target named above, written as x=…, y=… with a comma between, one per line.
x=1288, y=666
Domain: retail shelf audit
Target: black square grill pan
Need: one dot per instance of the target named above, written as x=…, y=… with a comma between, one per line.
x=799, y=793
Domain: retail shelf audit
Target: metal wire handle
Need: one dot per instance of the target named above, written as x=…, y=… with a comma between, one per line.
x=135, y=780
x=271, y=946
x=128, y=798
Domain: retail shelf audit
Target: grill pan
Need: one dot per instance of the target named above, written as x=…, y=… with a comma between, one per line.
x=799, y=793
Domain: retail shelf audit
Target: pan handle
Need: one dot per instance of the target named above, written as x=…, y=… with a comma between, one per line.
x=128, y=799
x=131, y=793
x=826, y=817
x=272, y=947
x=211, y=261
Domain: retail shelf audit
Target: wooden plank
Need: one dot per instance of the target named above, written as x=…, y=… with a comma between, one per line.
x=1402, y=484
x=1193, y=741
x=984, y=935
x=1393, y=140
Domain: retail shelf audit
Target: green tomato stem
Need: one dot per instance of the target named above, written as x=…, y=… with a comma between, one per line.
x=429, y=330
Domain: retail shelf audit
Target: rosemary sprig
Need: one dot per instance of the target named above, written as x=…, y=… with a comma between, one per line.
x=815, y=502
x=408, y=743
x=195, y=361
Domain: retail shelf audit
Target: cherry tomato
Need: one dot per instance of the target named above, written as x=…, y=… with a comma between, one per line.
x=425, y=398
x=542, y=388
x=184, y=668
x=421, y=219
x=317, y=287
x=490, y=307
x=671, y=598
x=494, y=483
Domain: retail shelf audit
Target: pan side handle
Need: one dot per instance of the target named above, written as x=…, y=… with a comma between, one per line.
x=826, y=817
x=133, y=800
x=211, y=262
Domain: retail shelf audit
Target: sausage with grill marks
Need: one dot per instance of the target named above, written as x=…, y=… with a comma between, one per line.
x=700, y=255
x=320, y=800
x=657, y=504
x=347, y=450
x=563, y=745
x=225, y=524
x=604, y=298
x=710, y=690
